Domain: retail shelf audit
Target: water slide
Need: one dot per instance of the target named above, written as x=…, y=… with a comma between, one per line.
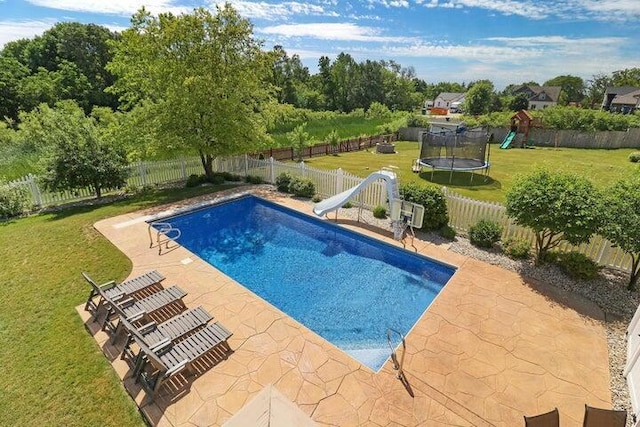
x=335, y=202
x=507, y=141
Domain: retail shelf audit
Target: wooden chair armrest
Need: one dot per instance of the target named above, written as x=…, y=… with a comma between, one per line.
x=108, y=285
x=126, y=302
x=160, y=345
x=179, y=367
x=147, y=327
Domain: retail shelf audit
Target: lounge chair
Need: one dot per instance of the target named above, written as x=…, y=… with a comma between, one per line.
x=172, y=330
x=155, y=366
x=114, y=291
x=548, y=419
x=138, y=311
x=596, y=417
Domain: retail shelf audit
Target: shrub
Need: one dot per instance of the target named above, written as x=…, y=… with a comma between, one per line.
x=283, y=180
x=348, y=205
x=316, y=198
x=485, y=233
x=378, y=111
x=194, y=180
x=416, y=121
x=302, y=187
x=634, y=157
x=217, y=179
x=447, y=232
x=517, y=248
x=435, y=206
x=578, y=266
x=253, y=179
x=14, y=200
x=380, y=212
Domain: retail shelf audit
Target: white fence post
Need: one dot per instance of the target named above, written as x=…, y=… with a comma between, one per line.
x=272, y=178
x=35, y=190
x=141, y=171
x=183, y=164
x=339, y=179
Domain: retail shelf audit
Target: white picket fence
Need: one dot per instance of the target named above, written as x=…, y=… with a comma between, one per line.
x=463, y=211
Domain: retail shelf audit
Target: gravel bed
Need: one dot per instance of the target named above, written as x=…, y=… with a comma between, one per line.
x=608, y=292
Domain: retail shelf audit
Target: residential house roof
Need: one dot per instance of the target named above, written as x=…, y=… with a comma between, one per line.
x=629, y=98
x=450, y=96
x=621, y=90
x=533, y=92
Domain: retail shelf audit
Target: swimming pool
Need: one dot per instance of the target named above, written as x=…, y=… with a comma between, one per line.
x=346, y=287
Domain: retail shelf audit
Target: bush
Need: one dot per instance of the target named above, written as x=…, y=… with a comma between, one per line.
x=302, y=187
x=253, y=179
x=485, y=233
x=217, y=179
x=14, y=201
x=447, y=232
x=316, y=198
x=416, y=121
x=194, y=180
x=380, y=212
x=634, y=157
x=283, y=180
x=578, y=266
x=435, y=206
x=517, y=248
x=347, y=205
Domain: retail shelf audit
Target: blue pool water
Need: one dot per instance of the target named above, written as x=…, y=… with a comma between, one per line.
x=346, y=287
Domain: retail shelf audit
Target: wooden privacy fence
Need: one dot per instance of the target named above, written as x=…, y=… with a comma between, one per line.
x=324, y=148
x=463, y=211
x=577, y=139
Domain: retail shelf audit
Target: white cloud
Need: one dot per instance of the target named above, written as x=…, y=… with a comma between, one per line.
x=601, y=10
x=14, y=30
x=115, y=7
x=277, y=11
x=334, y=31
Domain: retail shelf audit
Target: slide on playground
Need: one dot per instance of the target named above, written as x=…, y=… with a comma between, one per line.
x=335, y=202
x=507, y=141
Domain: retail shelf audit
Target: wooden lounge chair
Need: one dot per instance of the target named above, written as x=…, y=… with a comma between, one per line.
x=155, y=366
x=137, y=311
x=146, y=282
x=548, y=419
x=596, y=417
x=172, y=330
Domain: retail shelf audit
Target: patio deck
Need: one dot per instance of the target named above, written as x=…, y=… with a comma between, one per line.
x=489, y=350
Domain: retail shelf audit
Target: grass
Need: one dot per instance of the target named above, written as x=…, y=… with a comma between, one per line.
x=602, y=167
x=53, y=372
x=346, y=126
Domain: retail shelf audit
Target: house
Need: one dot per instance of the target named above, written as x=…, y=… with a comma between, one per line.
x=540, y=97
x=446, y=99
x=623, y=99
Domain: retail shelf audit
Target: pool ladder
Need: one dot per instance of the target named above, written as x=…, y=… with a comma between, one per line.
x=165, y=233
x=397, y=365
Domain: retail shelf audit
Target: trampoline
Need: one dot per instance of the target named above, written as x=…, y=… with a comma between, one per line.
x=459, y=150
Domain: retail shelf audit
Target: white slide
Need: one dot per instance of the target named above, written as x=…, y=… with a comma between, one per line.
x=335, y=202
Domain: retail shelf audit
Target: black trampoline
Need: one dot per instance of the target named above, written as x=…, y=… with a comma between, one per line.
x=459, y=150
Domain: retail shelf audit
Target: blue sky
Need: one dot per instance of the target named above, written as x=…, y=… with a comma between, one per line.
x=505, y=41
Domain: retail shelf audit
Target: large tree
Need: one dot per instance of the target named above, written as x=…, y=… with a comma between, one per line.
x=478, y=99
x=622, y=222
x=557, y=206
x=203, y=76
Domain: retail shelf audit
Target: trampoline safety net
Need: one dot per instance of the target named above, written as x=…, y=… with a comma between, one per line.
x=458, y=151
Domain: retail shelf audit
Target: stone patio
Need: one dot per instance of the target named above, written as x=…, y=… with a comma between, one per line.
x=489, y=350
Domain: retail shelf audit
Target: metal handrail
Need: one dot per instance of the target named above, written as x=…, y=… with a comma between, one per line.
x=163, y=229
x=398, y=366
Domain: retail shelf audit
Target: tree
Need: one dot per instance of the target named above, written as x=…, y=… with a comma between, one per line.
x=299, y=139
x=596, y=88
x=556, y=206
x=622, y=222
x=77, y=157
x=519, y=102
x=11, y=73
x=478, y=99
x=204, y=79
x=572, y=87
x=333, y=139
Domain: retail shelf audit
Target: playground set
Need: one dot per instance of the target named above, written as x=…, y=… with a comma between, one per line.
x=521, y=124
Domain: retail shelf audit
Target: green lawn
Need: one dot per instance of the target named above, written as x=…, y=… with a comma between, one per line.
x=601, y=166
x=53, y=372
